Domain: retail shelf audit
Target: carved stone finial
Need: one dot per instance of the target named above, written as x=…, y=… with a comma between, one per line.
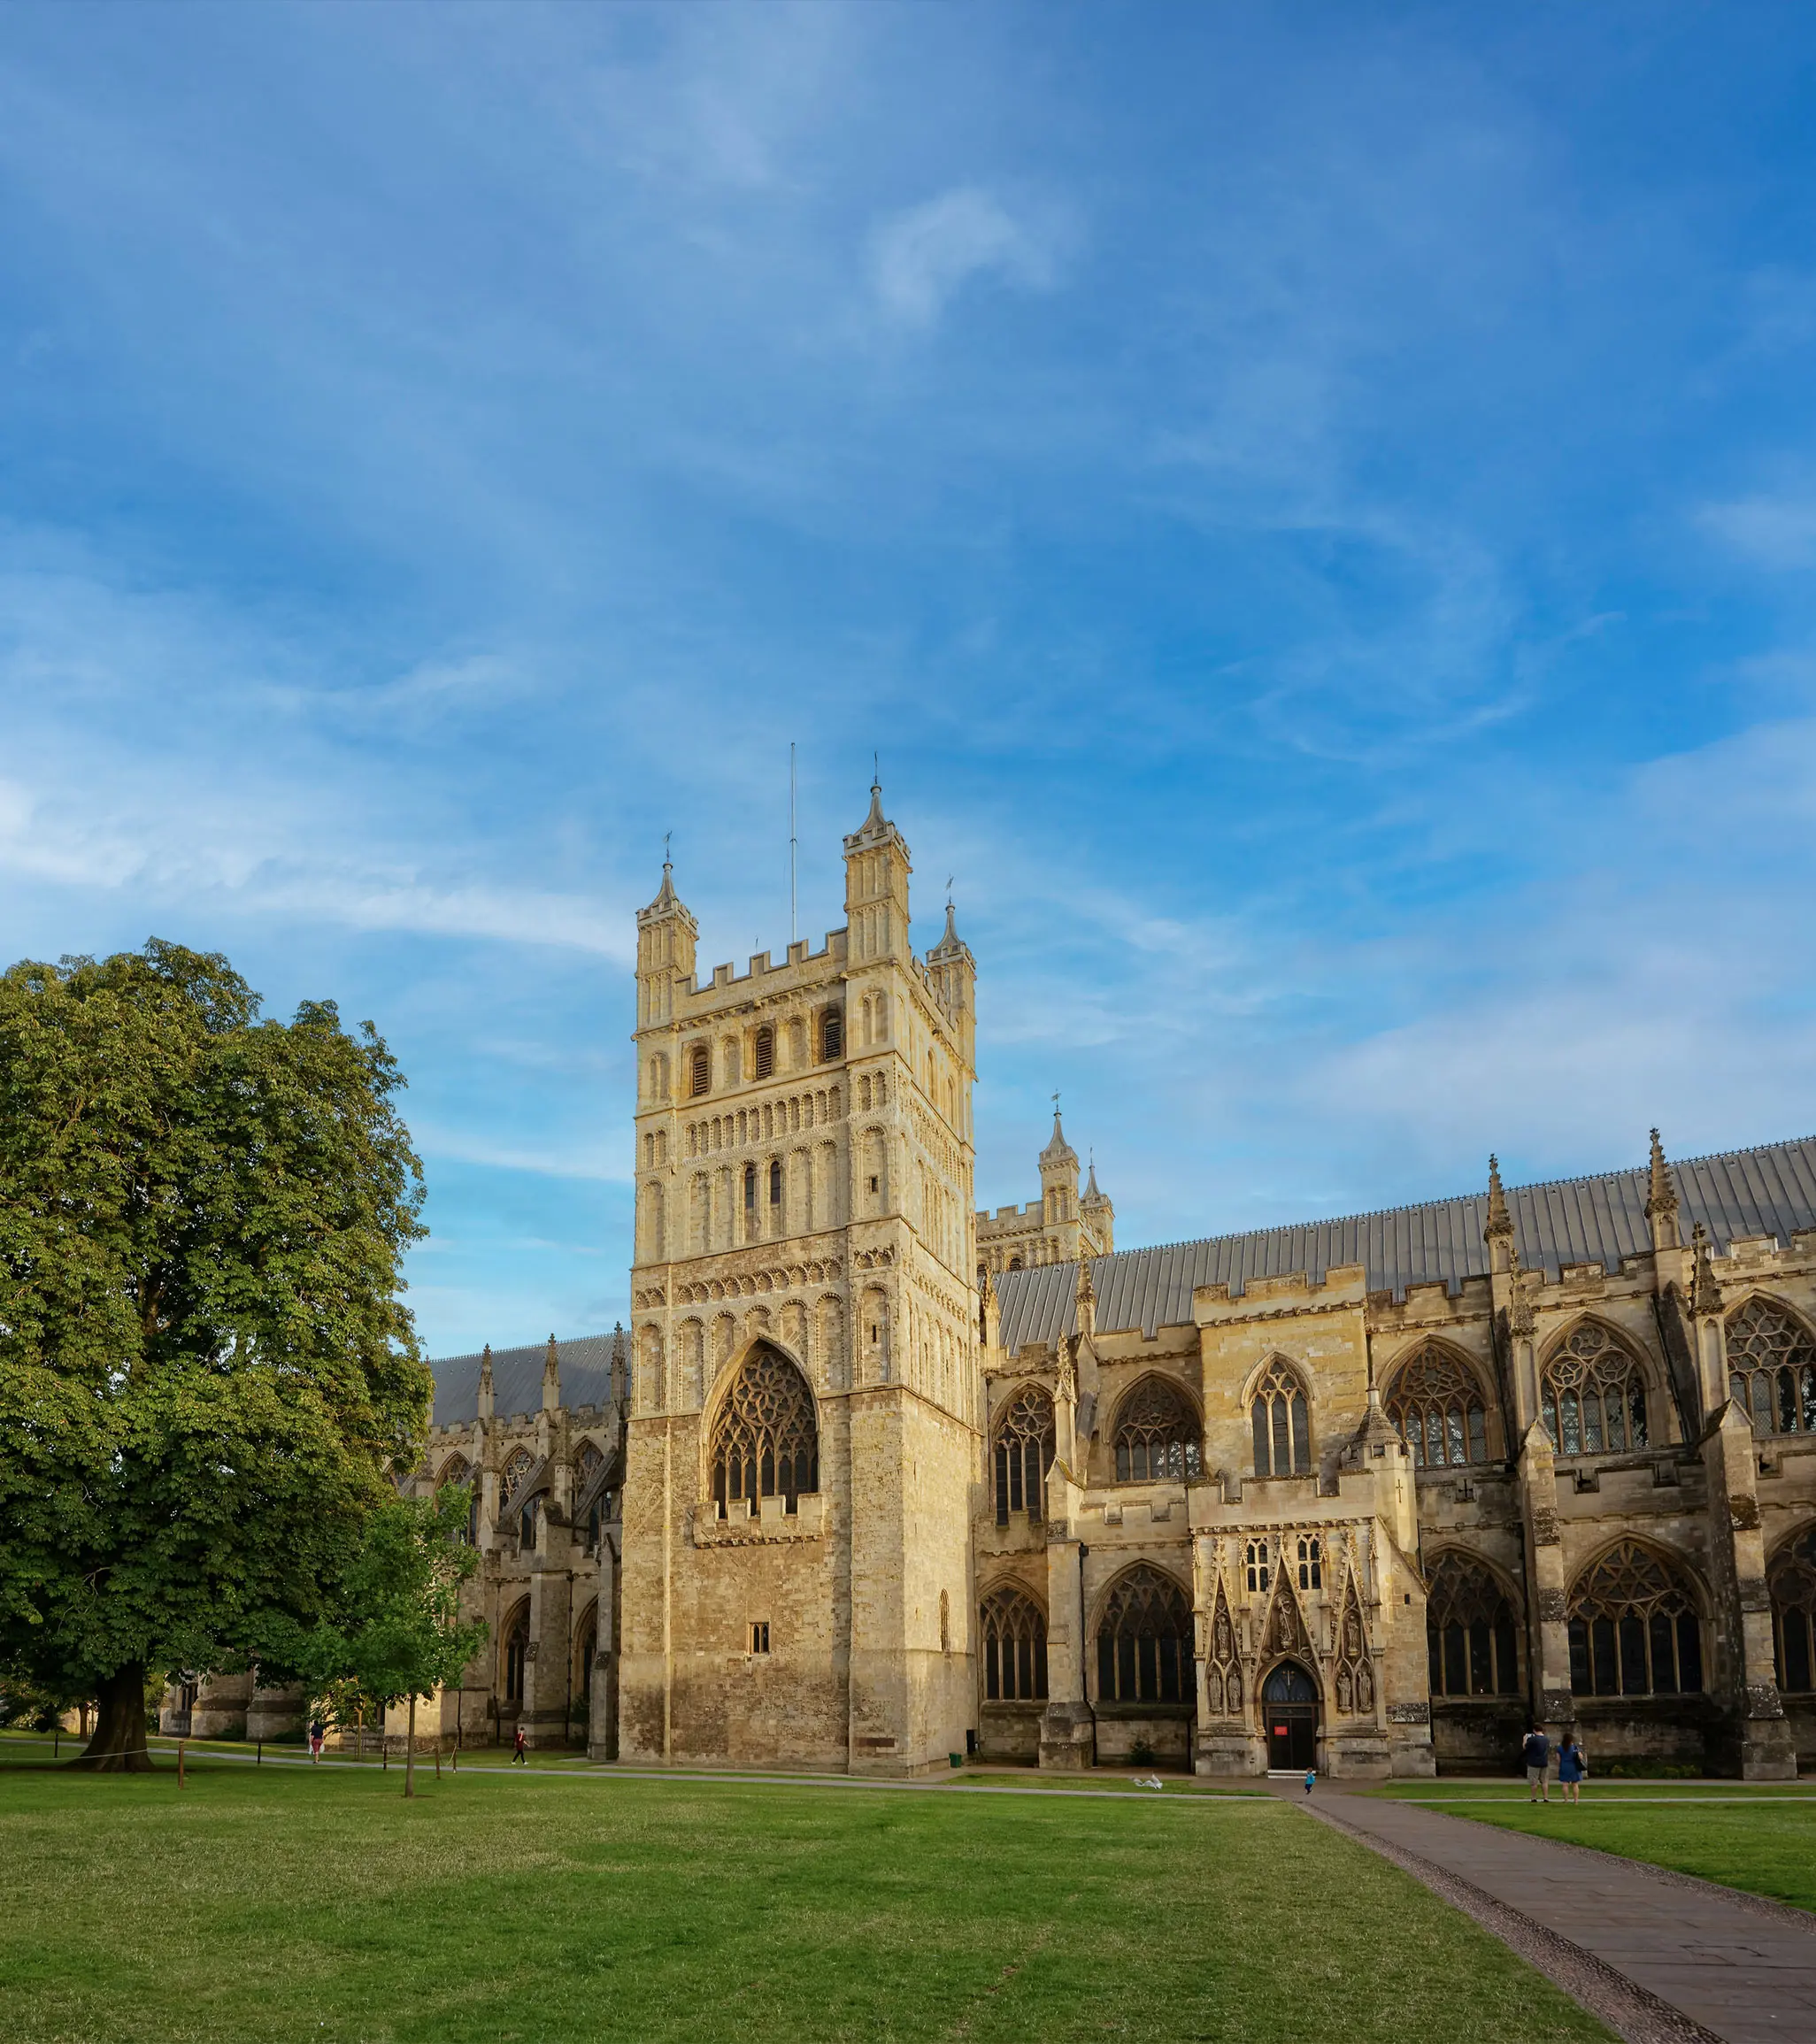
x=1084, y=1292
x=1500, y=1222
x=1661, y=1196
x=1705, y=1293
x=486, y=1366
x=1520, y=1309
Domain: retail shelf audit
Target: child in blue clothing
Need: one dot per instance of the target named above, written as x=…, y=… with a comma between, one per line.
x=1311, y=1777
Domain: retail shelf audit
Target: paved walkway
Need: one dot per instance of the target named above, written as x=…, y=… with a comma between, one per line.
x=1657, y=1955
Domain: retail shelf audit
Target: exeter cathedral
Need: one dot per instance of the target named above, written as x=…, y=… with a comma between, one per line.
x=874, y=1479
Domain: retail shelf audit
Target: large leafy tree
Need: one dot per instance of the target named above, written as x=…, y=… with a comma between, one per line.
x=207, y=1372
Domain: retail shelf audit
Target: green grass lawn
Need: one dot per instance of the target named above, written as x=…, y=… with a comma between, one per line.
x=285, y=1902
x=1762, y=1838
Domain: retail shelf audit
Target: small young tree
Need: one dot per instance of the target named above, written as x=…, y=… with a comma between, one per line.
x=400, y=1634
x=205, y=1369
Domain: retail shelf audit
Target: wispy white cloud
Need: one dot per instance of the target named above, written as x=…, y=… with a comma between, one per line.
x=1776, y=531
x=922, y=259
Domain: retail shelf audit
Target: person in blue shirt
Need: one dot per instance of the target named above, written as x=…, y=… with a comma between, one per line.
x=1572, y=1766
x=1311, y=1777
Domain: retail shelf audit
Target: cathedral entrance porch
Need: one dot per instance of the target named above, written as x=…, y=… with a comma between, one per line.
x=1289, y=1712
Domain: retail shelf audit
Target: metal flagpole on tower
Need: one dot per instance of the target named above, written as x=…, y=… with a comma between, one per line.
x=793, y=931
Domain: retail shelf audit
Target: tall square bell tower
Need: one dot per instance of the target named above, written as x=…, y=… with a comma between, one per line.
x=804, y=1442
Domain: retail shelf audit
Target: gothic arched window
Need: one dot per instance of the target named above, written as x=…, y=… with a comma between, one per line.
x=1772, y=1368
x=585, y=1646
x=1145, y=1641
x=1022, y=1454
x=1634, y=1630
x=456, y=1470
x=1014, y=1636
x=1436, y=1404
x=1792, y=1577
x=516, y=1653
x=1282, y=1423
x=515, y=1470
x=1592, y=1396
x=1469, y=1632
x=766, y=1441
x=1157, y=1435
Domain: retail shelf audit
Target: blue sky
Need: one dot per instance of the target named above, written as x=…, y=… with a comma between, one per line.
x=1315, y=507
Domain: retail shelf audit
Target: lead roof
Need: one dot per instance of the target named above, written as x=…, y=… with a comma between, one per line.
x=1767, y=1191
x=517, y=1379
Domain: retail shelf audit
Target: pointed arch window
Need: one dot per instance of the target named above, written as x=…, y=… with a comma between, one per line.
x=1145, y=1641
x=1592, y=1396
x=515, y=1654
x=1772, y=1368
x=1156, y=1436
x=516, y=1468
x=1470, y=1633
x=765, y=1439
x=1282, y=1423
x=1436, y=1404
x=1014, y=1636
x=459, y=1471
x=1792, y=1581
x=1022, y=1454
x=1634, y=1630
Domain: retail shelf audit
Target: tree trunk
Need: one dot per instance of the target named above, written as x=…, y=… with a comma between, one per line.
x=410, y=1749
x=117, y=1746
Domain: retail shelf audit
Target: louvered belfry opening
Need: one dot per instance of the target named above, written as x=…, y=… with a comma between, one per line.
x=766, y=1439
x=765, y=1051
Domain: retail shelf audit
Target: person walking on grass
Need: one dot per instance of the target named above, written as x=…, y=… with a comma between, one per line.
x=1573, y=1768
x=318, y=1731
x=1535, y=1751
x=519, y=1749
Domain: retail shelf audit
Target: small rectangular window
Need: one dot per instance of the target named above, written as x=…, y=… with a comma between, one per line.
x=759, y=1636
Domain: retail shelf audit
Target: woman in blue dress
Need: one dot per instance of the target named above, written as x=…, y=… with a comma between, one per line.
x=1572, y=1767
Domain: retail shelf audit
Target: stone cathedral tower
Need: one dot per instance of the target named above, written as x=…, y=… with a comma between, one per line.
x=803, y=1446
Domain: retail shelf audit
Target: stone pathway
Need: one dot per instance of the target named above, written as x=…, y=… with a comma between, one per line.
x=1657, y=1956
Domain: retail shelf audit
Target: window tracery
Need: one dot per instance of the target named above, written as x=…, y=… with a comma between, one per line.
x=1255, y=1559
x=516, y=1468
x=1023, y=1454
x=1792, y=1581
x=1014, y=1635
x=1282, y=1423
x=1145, y=1641
x=1470, y=1634
x=1157, y=1435
x=457, y=1470
x=766, y=1439
x=1772, y=1368
x=1634, y=1630
x=1593, y=1395
x=1311, y=1562
x=1436, y=1404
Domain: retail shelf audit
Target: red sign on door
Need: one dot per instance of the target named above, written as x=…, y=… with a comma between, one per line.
x=1280, y=1731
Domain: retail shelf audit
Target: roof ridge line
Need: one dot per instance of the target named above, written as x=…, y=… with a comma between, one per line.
x=1426, y=1206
